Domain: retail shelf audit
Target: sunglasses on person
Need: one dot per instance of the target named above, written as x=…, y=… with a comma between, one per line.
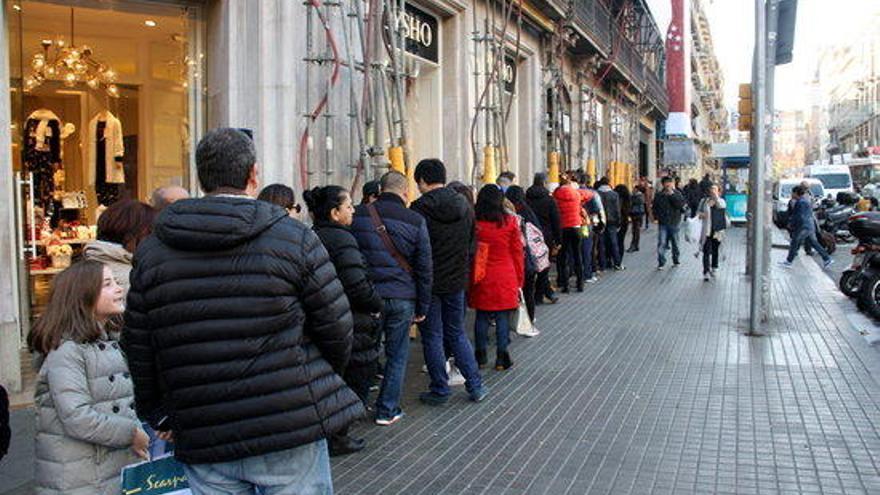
x=294, y=208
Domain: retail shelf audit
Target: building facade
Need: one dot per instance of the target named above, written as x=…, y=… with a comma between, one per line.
x=108, y=99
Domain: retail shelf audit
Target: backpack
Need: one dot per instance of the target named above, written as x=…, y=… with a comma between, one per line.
x=638, y=205
x=537, y=253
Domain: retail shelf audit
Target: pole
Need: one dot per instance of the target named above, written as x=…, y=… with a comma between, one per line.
x=757, y=175
x=772, y=15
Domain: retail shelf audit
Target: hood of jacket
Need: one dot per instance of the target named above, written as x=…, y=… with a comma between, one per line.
x=605, y=188
x=215, y=223
x=537, y=192
x=442, y=205
x=107, y=252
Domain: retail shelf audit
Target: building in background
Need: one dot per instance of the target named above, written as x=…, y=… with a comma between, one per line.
x=790, y=141
x=697, y=116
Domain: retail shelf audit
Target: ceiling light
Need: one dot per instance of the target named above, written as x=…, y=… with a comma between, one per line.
x=150, y=23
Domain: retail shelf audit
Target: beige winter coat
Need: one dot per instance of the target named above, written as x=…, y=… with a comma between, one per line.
x=114, y=256
x=85, y=420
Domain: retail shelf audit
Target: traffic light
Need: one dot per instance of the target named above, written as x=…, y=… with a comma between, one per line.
x=745, y=107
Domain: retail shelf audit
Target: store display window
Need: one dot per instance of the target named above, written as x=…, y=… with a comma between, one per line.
x=106, y=103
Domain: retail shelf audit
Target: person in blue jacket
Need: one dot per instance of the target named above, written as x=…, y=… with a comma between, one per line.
x=803, y=228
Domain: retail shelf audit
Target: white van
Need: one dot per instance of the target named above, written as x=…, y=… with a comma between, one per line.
x=782, y=195
x=835, y=178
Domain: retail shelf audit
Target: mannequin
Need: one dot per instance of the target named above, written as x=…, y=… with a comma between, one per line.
x=42, y=154
x=104, y=160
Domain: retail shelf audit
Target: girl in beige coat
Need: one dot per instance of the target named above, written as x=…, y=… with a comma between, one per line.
x=87, y=429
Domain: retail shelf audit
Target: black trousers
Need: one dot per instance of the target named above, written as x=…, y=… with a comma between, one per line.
x=542, y=285
x=710, y=254
x=570, y=254
x=529, y=294
x=637, y=232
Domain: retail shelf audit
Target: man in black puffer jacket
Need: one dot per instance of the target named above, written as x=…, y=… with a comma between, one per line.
x=235, y=324
x=451, y=229
x=544, y=206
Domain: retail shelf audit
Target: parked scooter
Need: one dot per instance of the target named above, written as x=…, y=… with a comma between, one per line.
x=833, y=218
x=862, y=279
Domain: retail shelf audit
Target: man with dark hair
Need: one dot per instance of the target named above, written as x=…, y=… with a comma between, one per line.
x=397, y=247
x=505, y=179
x=236, y=331
x=609, y=246
x=539, y=199
x=450, y=222
x=370, y=192
x=802, y=225
x=668, y=206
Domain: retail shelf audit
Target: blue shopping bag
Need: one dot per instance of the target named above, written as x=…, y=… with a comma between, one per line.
x=161, y=476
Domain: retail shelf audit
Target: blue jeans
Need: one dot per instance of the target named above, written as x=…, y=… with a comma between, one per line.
x=808, y=239
x=610, y=247
x=502, y=329
x=303, y=470
x=587, y=256
x=395, y=326
x=443, y=328
x=667, y=234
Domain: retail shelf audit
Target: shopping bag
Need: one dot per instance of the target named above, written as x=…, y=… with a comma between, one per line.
x=519, y=320
x=161, y=476
x=693, y=229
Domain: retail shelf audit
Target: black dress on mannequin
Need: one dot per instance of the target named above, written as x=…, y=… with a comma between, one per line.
x=107, y=193
x=40, y=158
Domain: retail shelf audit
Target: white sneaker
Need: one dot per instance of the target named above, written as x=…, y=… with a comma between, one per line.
x=455, y=377
x=530, y=332
x=448, y=366
x=592, y=280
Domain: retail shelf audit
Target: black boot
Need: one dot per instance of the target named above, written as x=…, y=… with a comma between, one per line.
x=480, y=355
x=344, y=444
x=503, y=361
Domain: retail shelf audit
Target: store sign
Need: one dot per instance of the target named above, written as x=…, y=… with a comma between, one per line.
x=419, y=31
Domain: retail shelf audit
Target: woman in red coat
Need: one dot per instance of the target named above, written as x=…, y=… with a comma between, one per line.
x=498, y=273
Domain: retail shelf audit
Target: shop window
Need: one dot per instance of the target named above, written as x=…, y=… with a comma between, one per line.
x=106, y=104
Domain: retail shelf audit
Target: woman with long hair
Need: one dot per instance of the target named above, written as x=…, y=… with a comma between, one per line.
x=497, y=275
x=281, y=195
x=517, y=197
x=121, y=229
x=87, y=429
x=332, y=212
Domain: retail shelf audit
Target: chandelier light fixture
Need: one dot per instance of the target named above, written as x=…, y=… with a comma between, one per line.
x=71, y=64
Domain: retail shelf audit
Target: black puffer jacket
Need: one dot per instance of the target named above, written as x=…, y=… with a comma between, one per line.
x=451, y=229
x=235, y=317
x=362, y=296
x=545, y=209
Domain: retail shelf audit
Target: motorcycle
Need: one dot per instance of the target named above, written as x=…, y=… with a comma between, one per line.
x=862, y=279
x=833, y=218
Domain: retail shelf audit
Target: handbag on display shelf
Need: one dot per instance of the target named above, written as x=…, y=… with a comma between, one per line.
x=74, y=200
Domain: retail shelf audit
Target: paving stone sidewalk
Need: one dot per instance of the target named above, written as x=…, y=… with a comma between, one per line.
x=642, y=384
x=645, y=384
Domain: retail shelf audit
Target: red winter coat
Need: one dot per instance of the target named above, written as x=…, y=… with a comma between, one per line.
x=499, y=269
x=569, y=201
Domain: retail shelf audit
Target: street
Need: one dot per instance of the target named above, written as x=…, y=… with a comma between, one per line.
x=642, y=384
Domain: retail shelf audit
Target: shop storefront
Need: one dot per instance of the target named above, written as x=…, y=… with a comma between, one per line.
x=105, y=104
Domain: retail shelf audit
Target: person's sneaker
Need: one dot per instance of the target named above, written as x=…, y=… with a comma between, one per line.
x=660, y=268
x=713, y=273
x=786, y=264
x=827, y=263
x=620, y=268
x=553, y=299
x=455, y=377
x=479, y=394
x=432, y=399
x=706, y=277
x=389, y=421
x=530, y=332
x=676, y=263
x=503, y=361
x=592, y=280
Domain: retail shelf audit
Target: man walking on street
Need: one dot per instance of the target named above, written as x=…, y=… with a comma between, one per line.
x=450, y=224
x=395, y=243
x=236, y=331
x=667, y=208
x=803, y=228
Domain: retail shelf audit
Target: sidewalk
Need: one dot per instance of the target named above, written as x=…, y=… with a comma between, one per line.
x=643, y=384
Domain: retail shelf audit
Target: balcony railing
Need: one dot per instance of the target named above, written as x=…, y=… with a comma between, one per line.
x=593, y=18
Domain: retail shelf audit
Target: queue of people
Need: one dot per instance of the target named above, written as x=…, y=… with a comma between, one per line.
x=249, y=342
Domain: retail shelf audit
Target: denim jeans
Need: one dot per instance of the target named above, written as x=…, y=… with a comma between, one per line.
x=395, y=326
x=443, y=328
x=303, y=470
x=610, y=248
x=587, y=256
x=807, y=238
x=502, y=329
x=667, y=234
